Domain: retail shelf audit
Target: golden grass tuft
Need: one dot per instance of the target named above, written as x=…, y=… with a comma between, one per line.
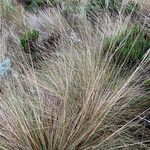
x=79, y=99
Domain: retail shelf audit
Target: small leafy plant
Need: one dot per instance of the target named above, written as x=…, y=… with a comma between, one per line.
x=29, y=45
x=27, y=38
x=147, y=83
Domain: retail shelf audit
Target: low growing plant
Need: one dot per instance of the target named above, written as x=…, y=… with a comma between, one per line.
x=131, y=44
x=113, y=7
x=28, y=37
x=79, y=99
x=28, y=43
x=147, y=83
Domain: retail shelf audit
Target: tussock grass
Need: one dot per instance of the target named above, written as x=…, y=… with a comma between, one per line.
x=79, y=99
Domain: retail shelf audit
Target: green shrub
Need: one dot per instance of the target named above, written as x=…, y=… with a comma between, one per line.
x=35, y=4
x=27, y=37
x=147, y=83
x=131, y=44
x=28, y=42
x=96, y=6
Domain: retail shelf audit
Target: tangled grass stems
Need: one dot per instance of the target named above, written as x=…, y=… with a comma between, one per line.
x=80, y=100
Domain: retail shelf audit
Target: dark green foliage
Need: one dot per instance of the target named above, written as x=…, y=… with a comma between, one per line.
x=147, y=83
x=131, y=8
x=94, y=7
x=131, y=44
x=29, y=44
x=35, y=4
x=27, y=38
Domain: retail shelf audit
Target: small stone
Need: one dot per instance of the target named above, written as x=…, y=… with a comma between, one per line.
x=5, y=68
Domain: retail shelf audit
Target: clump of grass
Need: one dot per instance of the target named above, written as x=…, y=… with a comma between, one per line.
x=79, y=100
